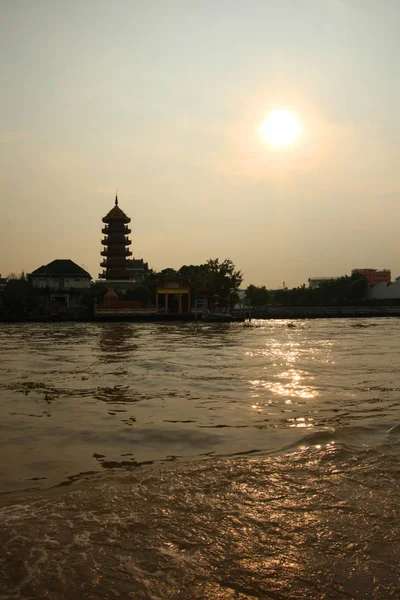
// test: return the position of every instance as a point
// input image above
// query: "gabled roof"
(61, 268)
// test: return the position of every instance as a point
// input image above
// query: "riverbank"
(325, 312)
(271, 312)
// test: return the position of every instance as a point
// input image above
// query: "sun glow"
(281, 128)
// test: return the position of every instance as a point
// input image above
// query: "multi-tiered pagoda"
(115, 244)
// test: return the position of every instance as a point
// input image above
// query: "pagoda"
(115, 244)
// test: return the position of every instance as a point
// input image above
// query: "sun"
(281, 128)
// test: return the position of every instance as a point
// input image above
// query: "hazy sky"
(163, 100)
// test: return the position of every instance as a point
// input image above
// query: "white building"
(384, 291)
(59, 286)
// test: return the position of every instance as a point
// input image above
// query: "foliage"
(196, 275)
(141, 293)
(223, 277)
(93, 295)
(18, 297)
(258, 296)
(15, 276)
(344, 291)
(168, 272)
(216, 280)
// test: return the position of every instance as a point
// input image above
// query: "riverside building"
(373, 276)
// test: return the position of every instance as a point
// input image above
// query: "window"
(61, 283)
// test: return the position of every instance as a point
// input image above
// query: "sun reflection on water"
(301, 422)
(283, 372)
(290, 383)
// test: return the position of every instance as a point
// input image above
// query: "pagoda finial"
(116, 199)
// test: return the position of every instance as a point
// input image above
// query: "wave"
(292, 526)
(351, 438)
(363, 324)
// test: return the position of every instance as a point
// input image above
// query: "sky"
(163, 101)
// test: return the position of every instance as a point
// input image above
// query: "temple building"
(115, 244)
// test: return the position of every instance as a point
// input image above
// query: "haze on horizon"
(165, 100)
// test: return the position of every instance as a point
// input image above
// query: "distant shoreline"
(325, 312)
(275, 312)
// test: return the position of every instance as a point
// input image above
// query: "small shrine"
(173, 295)
(115, 244)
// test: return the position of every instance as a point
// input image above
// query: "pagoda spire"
(116, 199)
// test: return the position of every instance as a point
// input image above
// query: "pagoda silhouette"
(115, 244)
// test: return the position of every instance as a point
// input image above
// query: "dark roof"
(116, 214)
(61, 268)
(137, 263)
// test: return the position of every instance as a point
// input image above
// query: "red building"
(373, 276)
(115, 245)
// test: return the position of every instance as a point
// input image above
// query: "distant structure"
(373, 276)
(137, 269)
(59, 286)
(315, 282)
(60, 274)
(172, 292)
(115, 244)
(385, 291)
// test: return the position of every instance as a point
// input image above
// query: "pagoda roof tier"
(107, 229)
(116, 214)
(115, 262)
(114, 252)
(108, 241)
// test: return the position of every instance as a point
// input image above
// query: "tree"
(343, 291)
(222, 278)
(93, 295)
(18, 297)
(258, 296)
(217, 281)
(140, 293)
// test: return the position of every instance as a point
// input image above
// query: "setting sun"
(281, 128)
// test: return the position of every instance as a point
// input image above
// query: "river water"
(200, 461)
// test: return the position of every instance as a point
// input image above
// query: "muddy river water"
(200, 461)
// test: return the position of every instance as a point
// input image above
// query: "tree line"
(343, 291)
(216, 280)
